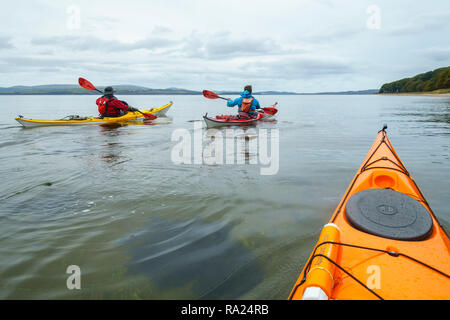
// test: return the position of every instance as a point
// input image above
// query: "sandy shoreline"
(439, 95)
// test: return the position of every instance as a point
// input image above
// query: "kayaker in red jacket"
(110, 106)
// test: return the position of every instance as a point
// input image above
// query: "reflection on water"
(242, 146)
(110, 200)
(426, 110)
(230, 146)
(111, 148)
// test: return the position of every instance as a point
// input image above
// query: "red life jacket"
(105, 109)
(246, 104)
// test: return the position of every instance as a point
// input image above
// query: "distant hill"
(424, 82)
(368, 91)
(66, 89)
(69, 89)
(276, 93)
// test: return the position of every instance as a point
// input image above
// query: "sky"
(284, 45)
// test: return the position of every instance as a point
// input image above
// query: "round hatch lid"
(389, 214)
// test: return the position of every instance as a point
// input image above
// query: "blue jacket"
(238, 101)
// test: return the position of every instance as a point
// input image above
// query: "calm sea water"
(111, 201)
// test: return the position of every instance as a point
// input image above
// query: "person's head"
(109, 91)
(248, 88)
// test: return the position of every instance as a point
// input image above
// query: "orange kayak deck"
(351, 262)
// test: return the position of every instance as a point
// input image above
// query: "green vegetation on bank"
(432, 81)
(441, 91)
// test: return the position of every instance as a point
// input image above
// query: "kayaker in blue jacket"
(247, 104)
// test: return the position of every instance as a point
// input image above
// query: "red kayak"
(232, 120)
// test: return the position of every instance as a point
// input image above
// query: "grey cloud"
(223, 46)
(27, 62)
(161, 30)
(108, 67)
(239, 47)
(300, 68)
(50, 70)
(5, 43)
(50, 64)
(96, 44)
(438, 54)
(328, 36)
(419, 24)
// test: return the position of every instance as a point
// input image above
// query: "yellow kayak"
(77, 120)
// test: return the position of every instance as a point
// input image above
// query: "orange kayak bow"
(382, 242)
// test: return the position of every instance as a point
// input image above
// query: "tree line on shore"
(424, 82)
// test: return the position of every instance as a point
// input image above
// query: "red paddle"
(271, 110)
(89, 86)
(212, 95)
